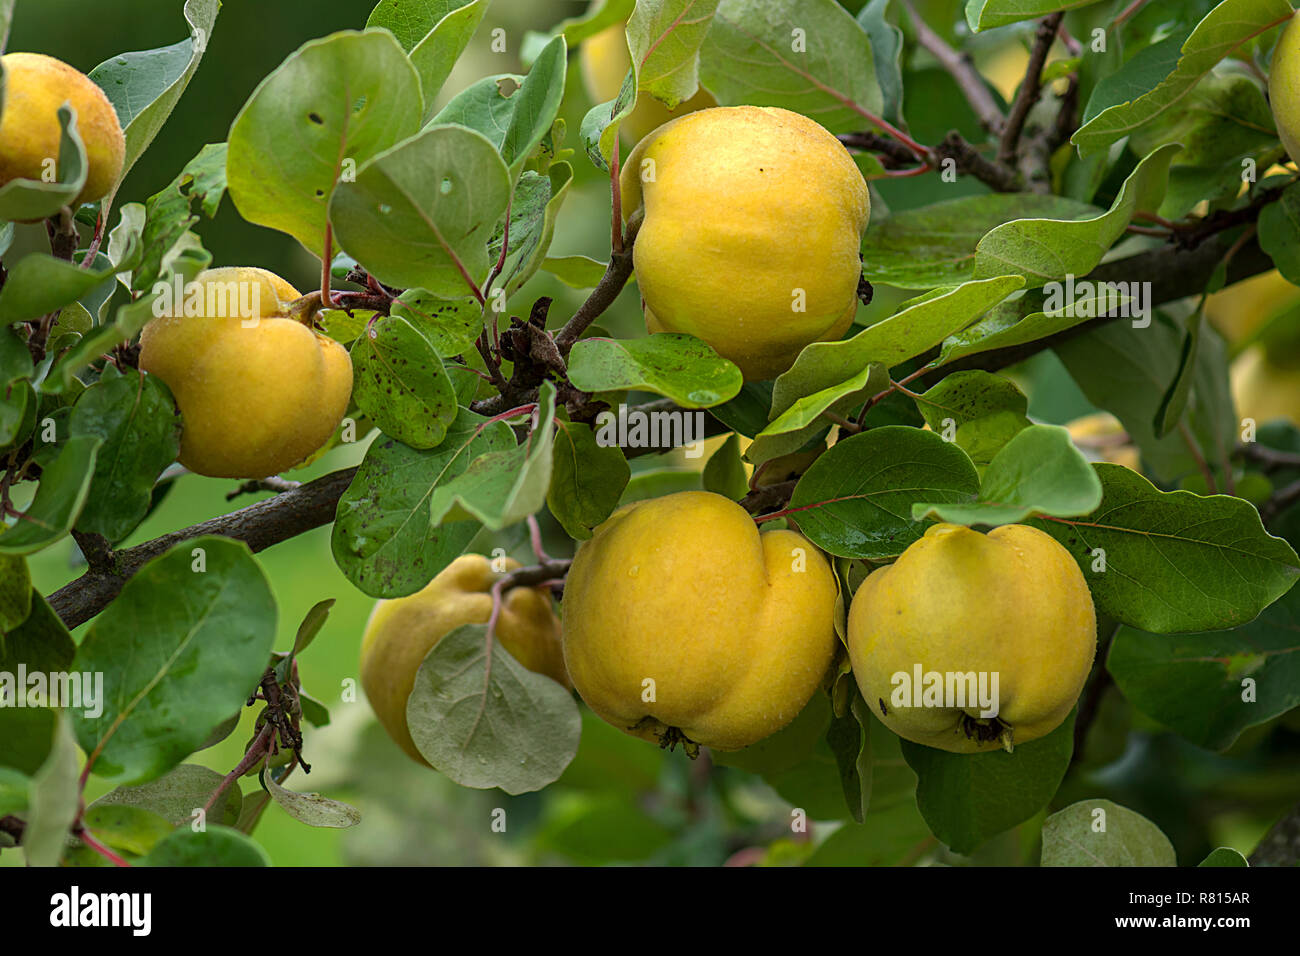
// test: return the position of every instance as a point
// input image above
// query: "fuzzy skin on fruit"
(35, 87)
(604, 60)
(1264, 390)
(1284, 87)
(401, 632)
(256, 400)
(683, 590)
(748, 207)
(1012, 601)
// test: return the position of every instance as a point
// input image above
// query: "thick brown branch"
(968, 161)
(260, 525)
(1281, 845)
(602, 297)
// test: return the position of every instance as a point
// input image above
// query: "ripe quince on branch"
(1011, 602)
(683, 623)
(753, 221)
(35, 87)
(257, 394)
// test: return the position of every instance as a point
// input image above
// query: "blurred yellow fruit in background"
(1241, 309)
(1101, 437)
(1264, 390)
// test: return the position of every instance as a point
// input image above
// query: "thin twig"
(1030, 89)
(961, 69)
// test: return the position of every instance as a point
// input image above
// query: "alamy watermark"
(69, 689)
(637, 428)
(1085, 299)
(212, 300)
(948, 689)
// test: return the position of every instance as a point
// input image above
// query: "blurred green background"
(621, 800)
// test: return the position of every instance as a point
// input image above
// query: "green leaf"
(935, 245)
(18, 403)
(25, 737)
(587, 479)
(987, 14)
(180, 649)
(1043, 250)
(15, 593)
(1279, 233)
(131, 829)
(536, 203)
(789, 747)
(311, 625)
(1101, 833)
(747, 413)
(887, 50)
(40, 642)
(434, 33)
(1038, 472)
(851, 743)
(215, 846)
(144, 87)
(1126, 371)
(747, 57)
(449, 325)
(1224, 856)
(347, 96)
(981, 410)
(168, 217)
(1225, 28)
(54, 798)
(724, 472)
(135, 418)
(800, 423)
(664, 38)
(383, 539)
(536, 104)
(577, 272)
(884, 838)
(968, 798)
(856, 500)
(1175, 561)
(919, 325)
(177, 795)
(1211, 686)
(399, 382)
(39, 283)
(478, 716)
(1173, 402)
(59, 499)
(678, 366)
(500, 488)
(421, 214)
(311, 808)
(31, 200)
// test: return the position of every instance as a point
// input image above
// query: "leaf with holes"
(399, 382)
(434, 33)
(349, 96)
(382, 538)
(421, 214)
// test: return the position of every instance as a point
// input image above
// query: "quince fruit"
(1244, 307)
(683, 623)
(35, 87)
(956, 611)
(1102, 437)
(258, 390)
(753, 220)
(1284, 87)
(401, 632)
(605, 60)
(1263, 389)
